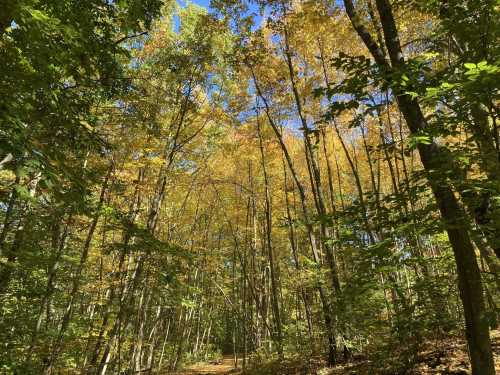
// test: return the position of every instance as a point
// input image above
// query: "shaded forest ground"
(445, 356)
(224, 366)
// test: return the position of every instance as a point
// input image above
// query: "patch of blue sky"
(203, 3)
(253, 9)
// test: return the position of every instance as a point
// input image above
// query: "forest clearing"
(258, 187)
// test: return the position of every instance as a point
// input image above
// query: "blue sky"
(204, 3)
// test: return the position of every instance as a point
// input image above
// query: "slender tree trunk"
(293, 245)
(268, 229)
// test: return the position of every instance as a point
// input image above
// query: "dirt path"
(226, 366)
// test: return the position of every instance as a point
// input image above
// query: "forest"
(257, 187)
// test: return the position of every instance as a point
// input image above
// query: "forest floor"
(222, 367)
(435, 357)
(445, 357)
